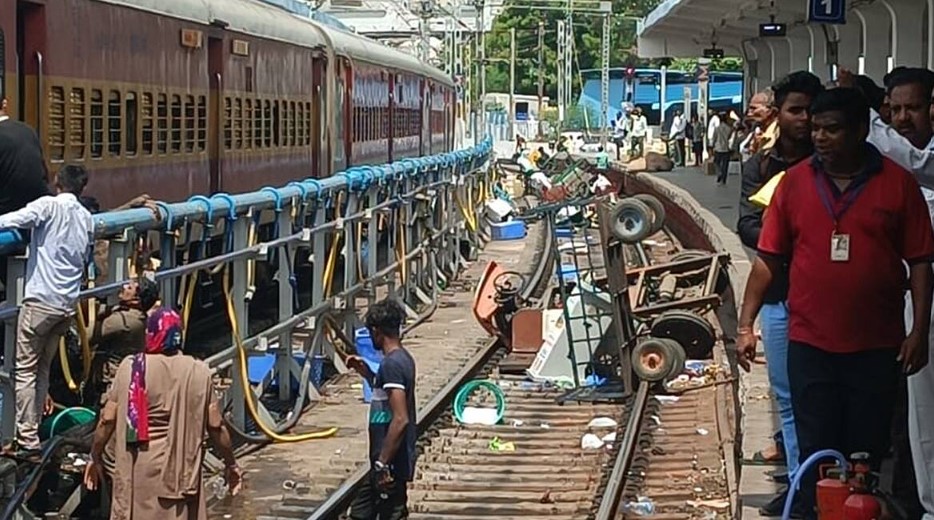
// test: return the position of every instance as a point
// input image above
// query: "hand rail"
(116, 222)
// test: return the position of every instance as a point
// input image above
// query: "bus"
(642, 87)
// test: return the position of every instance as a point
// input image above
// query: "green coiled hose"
(460, 401)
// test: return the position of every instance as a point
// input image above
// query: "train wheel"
(692, 332)
(631, 221)
(652, 360)
(658, 211)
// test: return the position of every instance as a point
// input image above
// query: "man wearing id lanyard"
(845, 220)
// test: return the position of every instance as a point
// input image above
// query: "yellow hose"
(245, 380)
(86, 356)
(251, 237)
(66, 367)
(400, 247)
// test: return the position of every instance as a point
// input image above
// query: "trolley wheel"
(652, 360)
(723, 278)
(631, 221)
(680, 358)
(693, 333)
(658, 210)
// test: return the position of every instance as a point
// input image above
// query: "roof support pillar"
(781, 57)
(877, 44)
(764, 73)
(819, 66)
(750, 68)
(907, 25)
(799, 41)
(848, 43)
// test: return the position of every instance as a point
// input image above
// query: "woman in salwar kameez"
(160, 406)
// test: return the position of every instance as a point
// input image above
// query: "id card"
(839, 248)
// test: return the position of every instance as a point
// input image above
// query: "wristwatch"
(379, 467)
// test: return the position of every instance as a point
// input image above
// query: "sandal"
(761, 460)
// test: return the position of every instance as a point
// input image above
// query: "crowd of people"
(836, 198)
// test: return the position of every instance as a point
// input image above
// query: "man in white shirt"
(676, 133)
(713, 122)
(909, 141)
(640, 127)
(62, 232)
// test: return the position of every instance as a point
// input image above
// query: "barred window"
(77, 124)
(132, 122)
(114, 122)
(190, 124)
(228, 124)
(146, 118)
(248, 123)
(97, 123)
(56, 124)
(162, 114)
(202, 124)
(237, 120)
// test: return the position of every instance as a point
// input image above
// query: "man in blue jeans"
(793, 96)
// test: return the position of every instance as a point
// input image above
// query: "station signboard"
(827, 11)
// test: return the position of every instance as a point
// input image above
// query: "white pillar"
(848, 37)
(765, 61)
(877, 24)
(799, 43)
(750, 68)
(819, 53)
(781, 57)
(906, 28)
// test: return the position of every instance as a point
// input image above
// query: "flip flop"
(779, 476)
(760, 460)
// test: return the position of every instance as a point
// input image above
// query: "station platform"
(759, 414)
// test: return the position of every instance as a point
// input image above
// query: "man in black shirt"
(23, 177)
(793, 95)
(392, 418)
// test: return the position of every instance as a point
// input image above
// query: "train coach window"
(113, 123)
(202, 124)
(56, 123)
(237, 120)
(176, 123)
(228, 124)
(146, 118)
(258, 124)
(248, 123)
(132, 122)
(300, 124)
(190, 124)
(276, 124)
(267, 123)
(97, 124)
(77, 123)
(162, 119)
(307, 124)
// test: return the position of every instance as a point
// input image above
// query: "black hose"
(25, 489)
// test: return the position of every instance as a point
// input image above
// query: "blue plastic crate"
(512, 230)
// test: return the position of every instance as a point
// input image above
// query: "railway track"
(658, 456)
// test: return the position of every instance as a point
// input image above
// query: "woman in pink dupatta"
(160, 406)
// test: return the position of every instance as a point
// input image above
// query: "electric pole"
(512, 81)
(541, 76)
(562, 50)
(481, 26)
(605, 80)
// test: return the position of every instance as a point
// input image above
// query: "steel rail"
(340, 499)
(612, 494)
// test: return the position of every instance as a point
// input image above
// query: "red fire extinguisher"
(861, 505)
(832, 492)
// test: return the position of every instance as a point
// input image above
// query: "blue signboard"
(827, 11)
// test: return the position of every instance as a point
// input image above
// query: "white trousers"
(921, 423)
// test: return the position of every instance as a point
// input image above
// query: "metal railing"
(398, 229)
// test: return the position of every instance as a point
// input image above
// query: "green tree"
(588, 28)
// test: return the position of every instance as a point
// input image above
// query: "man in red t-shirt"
(847, 220)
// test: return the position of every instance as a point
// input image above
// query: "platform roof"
(684, 28)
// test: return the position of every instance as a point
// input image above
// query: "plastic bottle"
(642, 507)
(216, 487)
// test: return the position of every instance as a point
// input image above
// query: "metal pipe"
(141, 219)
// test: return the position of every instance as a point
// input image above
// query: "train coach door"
(216, 134)
(31, 56)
